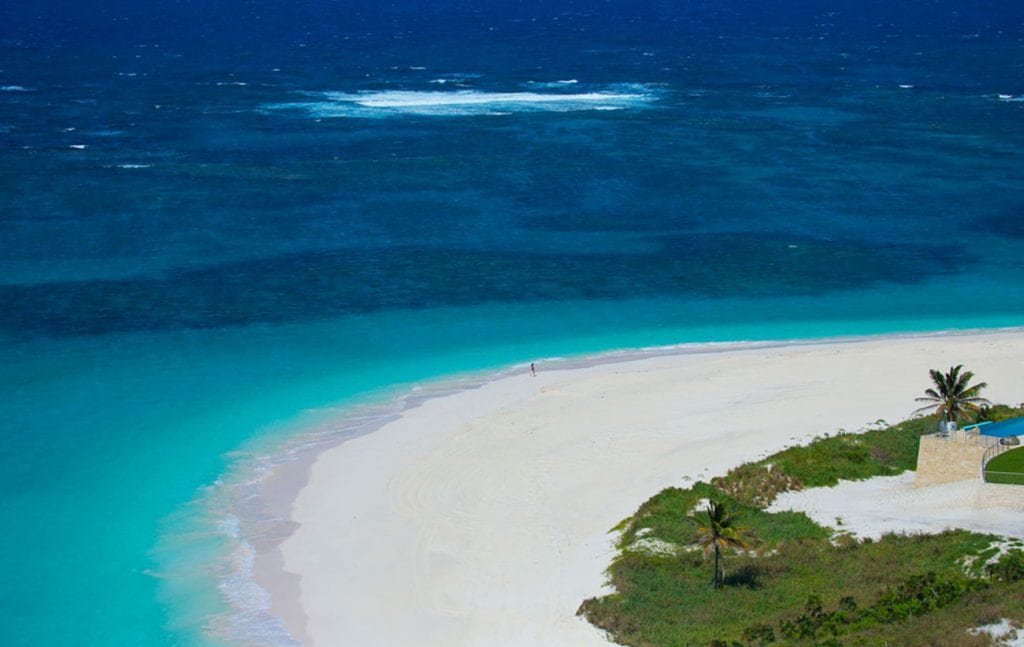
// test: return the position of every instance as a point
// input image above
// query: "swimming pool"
(1001, 429)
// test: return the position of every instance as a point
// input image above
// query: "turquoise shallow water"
(222, 225)
(136, 426)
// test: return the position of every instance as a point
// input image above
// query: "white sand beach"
(482, 517)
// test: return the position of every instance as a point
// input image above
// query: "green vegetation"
(1010, 568)
(884, 451)
(1006, 468)
(798, 583)
(998, 412)
(952, 398)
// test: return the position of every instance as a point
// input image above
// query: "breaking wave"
(461, 103)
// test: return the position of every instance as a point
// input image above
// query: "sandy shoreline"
(481, 516)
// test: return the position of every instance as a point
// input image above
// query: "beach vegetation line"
(798, 582)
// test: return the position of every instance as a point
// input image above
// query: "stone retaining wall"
(944, 460)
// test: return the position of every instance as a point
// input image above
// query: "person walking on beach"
(533, 370)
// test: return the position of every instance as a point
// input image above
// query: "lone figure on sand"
(533, 370)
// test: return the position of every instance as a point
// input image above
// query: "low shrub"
(1009, 568)
(795, 585)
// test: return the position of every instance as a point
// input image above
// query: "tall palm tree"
(719, 531)
(952, 398)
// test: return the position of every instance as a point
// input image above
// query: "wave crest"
(466, 102)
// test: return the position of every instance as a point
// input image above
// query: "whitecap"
(78, 146)
(906, 86)
(455, 78)
(14, 88)
(465, 102)
(1010, 98)
(553, 84)
(634, 87)
(134, 165)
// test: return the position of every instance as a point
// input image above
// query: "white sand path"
(482, 517)
(887, 504)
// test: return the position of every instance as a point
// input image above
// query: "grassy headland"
(803, 583)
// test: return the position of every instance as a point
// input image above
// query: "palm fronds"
(953, 398)
(720, 530)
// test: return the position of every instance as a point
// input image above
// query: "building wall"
(944, 460)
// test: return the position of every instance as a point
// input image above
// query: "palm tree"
(952, 398)
(720, 531)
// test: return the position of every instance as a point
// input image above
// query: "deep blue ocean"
(223, 224)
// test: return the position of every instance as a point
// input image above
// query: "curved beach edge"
(477, 511)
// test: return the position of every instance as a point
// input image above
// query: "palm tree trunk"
(715, 581)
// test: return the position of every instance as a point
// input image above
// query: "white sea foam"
(552, 84)
(462, 79)
(134, 165)
(14, 88)
(401, 100)
(467, 102)
(253, 624)
(453, 80)
(1010, 98)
